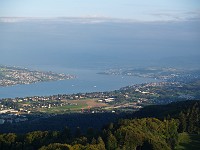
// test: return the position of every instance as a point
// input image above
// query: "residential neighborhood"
(16, 75)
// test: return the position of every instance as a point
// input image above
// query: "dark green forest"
(151, 128)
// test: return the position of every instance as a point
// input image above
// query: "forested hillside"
(187, 112)
(128, 134)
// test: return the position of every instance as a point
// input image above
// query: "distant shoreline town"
(15, 75)
(177, 86)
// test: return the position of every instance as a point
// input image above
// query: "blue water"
(86, 81)
(85, 49)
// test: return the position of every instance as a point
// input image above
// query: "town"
(158, 73)
(15, 75)
(126, 99)
(175, 87)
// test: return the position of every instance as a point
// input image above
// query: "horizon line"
(100, 18)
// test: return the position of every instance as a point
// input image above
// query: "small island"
(15, 75)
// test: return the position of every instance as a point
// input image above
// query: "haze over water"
(96, 45)
(86, 46)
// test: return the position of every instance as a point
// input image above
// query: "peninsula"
(16, 75)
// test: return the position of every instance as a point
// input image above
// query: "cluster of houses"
(106, 100)
(14, 75)
(11, 116)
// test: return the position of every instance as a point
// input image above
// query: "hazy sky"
(127, 9)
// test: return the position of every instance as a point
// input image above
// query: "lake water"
(86, 81)
(83, 49)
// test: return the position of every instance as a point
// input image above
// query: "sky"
(105, 43)
(147, 10)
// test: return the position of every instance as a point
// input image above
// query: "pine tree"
(101, 144)
(182, 120)
(111, 142)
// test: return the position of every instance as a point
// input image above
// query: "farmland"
(83, 105)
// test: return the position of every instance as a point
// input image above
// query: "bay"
(84, 49)
(87, 81)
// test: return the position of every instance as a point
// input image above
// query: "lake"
(86, 48)
(86, 81)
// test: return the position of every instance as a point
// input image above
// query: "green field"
(188, 142)
(72, 106)
(66, 108)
